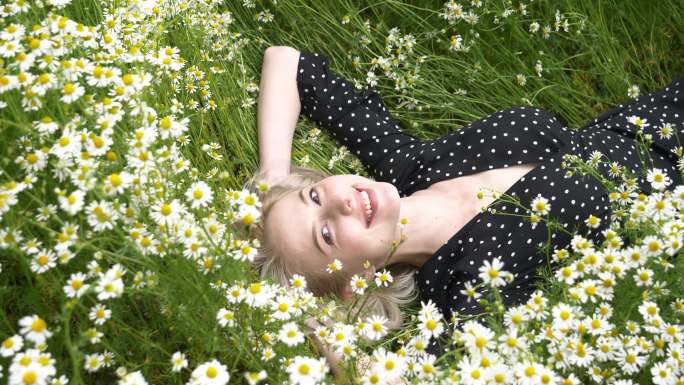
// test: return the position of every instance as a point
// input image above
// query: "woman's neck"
(433, 217)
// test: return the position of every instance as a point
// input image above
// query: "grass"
(610, 46)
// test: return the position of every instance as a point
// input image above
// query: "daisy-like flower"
(541, 205)
(46, 212)
(167, 213)
(210, 373)
(491, 273)
(199, 195)
(258, 294)
(298, 282)
(76, 285)
(179, 362)
(528, 372)
(248, 215)
(306, 370)
(282, 308)
(117, 183)
(511, 343)
(254, 378)
(430, 324)
(471, 371)
(638, 121)
(383, 278)
(34, 329)
(643, 277)
(101, 215)
(592, 221)
(72, 203)
(71, 92)
(665, 131)
(335, 265)
(521, 79)
(652, 246)
(109, 287)
(633, 91)
(470, 292)
(99, 314)
(377, 327)
(649, 310)
(43, 261)
(11, 345)
(477, 337)
(388, 365)
(358, 284)
(658, 178)
(290, 334)
(134, 378)
(170, 127)
(93, 362)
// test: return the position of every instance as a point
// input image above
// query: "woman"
(309, 218)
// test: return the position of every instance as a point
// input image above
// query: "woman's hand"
(334, 359)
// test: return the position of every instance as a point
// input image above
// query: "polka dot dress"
(512, 136)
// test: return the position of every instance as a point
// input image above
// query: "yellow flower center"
(38, 325)
(212, 372)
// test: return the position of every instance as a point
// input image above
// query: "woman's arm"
(278, 110)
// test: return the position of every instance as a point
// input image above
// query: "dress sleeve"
(357, 120)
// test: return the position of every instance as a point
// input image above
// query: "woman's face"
(314, 225)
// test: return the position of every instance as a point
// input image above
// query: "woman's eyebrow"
(313, 228)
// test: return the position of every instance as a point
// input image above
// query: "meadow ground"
(128, 128)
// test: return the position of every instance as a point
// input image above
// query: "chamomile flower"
(199, 195)
(383, 278)
(290, 334)
(283, 307)
(643, 277)
(633, 91)
(541, 205)
(72, 203)
(167, 213)
(306, 370)
(491, 273)
(377, 327)
(11, 345)
(178, 362)
(76, 285)
(43, 261)
(34, 329)
(592, 221)
(665, 131)
(388, 365)
(72, 92)
(638, 121)
(109, 287)
(117, 183)
(225, 317)
(99, 314)
(358, 284)
(335, 265)
(134, 378)
(658, 178)
(470, 292)
(210, 373)
(254, 378)
(298, 282)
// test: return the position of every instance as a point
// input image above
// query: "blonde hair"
(270, 262)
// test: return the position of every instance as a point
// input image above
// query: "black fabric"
(509, 137)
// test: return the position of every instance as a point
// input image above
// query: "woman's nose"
(342, 204)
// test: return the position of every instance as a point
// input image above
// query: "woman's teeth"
(366, 201)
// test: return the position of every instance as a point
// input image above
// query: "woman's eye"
(326, 235)
(312, 191)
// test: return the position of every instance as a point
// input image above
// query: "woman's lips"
(373, 202)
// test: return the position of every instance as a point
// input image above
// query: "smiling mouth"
(368, 205)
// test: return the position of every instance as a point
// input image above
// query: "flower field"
(128, 131)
